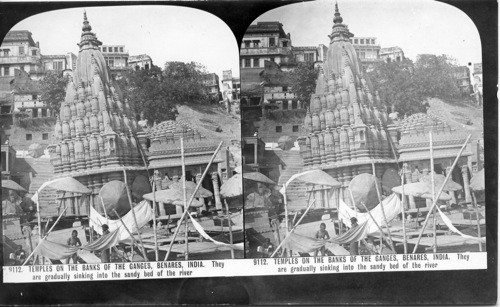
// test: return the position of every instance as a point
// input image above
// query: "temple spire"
(339, 30)
(88, 37)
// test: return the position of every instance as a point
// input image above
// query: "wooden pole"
(133, 214)
(183, 178)
(46, 235)
(192, 198)
(131, 236)
(440, 191)
(293, 228)
(382, 208)
(230, 228)
(431, 150)
(477, 219)
(403, 215)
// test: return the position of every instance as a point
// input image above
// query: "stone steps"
(296, 191)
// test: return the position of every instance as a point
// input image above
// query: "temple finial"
(86, 25)
(337, 18)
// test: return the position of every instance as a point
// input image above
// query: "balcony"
(20, 59)
(263, 51)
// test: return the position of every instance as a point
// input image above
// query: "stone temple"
(347, 125)
(97, 133)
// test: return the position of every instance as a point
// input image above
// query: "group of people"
(18, 205)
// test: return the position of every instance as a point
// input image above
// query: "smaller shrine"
(164, 157)
(413, 149)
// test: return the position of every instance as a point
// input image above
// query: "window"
(398, 58)
(33, 52)
(256, 44)
(285, 88)
(6, 71)
(362, 41)
(272, 42)
(247, 63)
(58, 65)
(256, 62)
(355, 40)
(121, 49)
(146, 66)
(309, 57)
(45, 136)
(34, 97)
(4, 109)
(21, 50)
(373, 41)
(35, 112)
(295, 128)
(247, 44)
(44, 112)
(111, 62)
(350, 40)
(271, 59)
(29, 137)
(278, 129)
(103, 49)
(285, 44)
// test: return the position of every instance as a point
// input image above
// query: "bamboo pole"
(104, 209)
(477, 219)
(382, 208)
(131, 236)
(46, 235)
(183, 178)
(293, 228)
(133, 214)
(230, 228)
(403, 215)
(440, 191)
(433, 188)
(192, 198)
(154, 222)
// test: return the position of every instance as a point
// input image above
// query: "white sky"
(417, 26)
(166, 33)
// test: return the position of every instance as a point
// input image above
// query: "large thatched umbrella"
(12, 185)
(172, 197)
(233, 187)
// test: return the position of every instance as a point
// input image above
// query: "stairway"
(296, 191)
(43, 171)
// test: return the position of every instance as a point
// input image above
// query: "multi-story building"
(477, 74)
(60, 62)
(116, 58)
(306, 54)
(231, 86)
(19, 51)
(368, 50)
(142, 61)
(462, 77)
(392, 54)
(211, 81)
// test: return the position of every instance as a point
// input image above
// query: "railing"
(271, 50)
(19, 59)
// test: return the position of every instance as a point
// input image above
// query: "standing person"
(73, 241)
(105, 254)
(354, 246)
(321, 234)
(10, 206)
(260, 198)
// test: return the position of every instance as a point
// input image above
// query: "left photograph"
(120, 137)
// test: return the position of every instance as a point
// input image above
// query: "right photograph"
(362, 130)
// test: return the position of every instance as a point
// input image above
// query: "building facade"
(211, 81)
(367, 49)
(142, 61)
(62, 63)
(19, 51)
(116, 57)
(462, 78)
(231, 86)
(392, 54)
